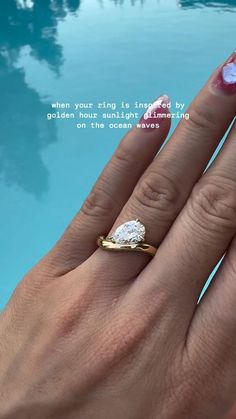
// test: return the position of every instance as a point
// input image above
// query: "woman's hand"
(94, 334)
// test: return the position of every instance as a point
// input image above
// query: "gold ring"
(129, 236)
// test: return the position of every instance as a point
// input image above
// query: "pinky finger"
(212, 335)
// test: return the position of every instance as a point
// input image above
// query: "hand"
(92, 334)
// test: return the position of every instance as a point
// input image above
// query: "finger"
(113, 188)
(219, 302)
(165, 186)
(211, 340)
(200, 236)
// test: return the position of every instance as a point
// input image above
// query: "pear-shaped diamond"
(131, 232)
(229, 73)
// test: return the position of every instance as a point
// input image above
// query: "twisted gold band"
(107, 244)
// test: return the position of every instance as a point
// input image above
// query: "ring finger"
(108, 196)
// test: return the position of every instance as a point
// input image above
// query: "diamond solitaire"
(131, 232)
(129, 236)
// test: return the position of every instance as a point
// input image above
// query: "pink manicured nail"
(155, 114)
(226, 78)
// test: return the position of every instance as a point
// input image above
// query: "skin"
(95, 334)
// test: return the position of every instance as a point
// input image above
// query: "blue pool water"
(81, 51)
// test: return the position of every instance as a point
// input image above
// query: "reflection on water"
(229, 5)
(132, 2)
(24, 129)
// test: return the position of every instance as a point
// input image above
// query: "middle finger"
(165, 186)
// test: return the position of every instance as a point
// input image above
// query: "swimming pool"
(85, 52)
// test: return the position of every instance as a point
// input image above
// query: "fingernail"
(155, 114)
(226, 78)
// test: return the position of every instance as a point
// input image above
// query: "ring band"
(116, 247)
(129, 237)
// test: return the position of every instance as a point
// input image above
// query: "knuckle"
(98, 204)
(123, 156)
(215, 202)
(157, 191)
(201, 118)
